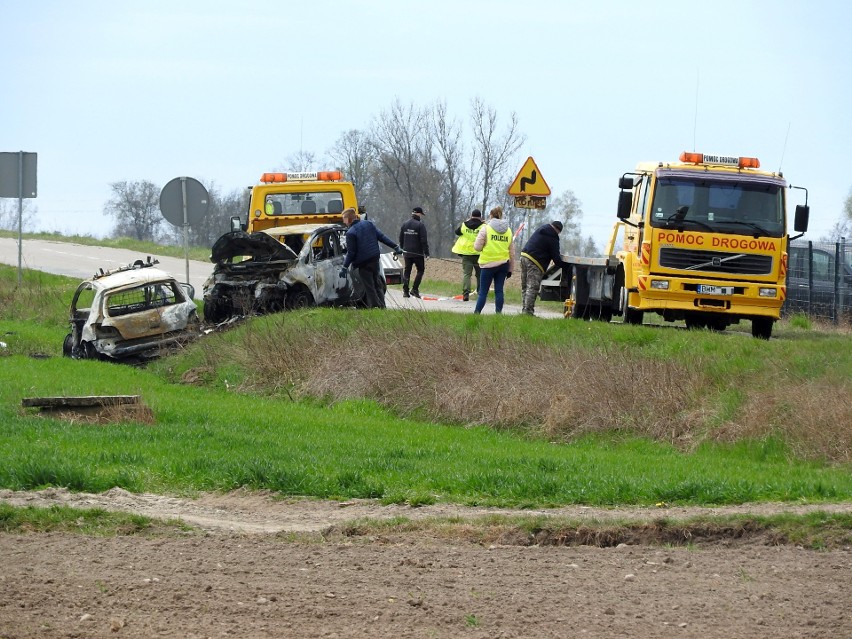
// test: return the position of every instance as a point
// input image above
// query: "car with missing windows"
(283, 268)
(132, 314)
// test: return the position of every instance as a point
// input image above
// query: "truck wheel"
(761, 327)
(578, 310)
(695, 323)
(631, 316)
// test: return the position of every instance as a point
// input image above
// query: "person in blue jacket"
(362, 254)
(540, 249)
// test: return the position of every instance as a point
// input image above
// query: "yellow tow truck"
(705, 241)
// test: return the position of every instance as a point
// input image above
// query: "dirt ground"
(262, 567)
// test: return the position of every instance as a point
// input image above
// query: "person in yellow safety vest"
(496, 258)
(467, 232)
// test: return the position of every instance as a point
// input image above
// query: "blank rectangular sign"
(10, 169)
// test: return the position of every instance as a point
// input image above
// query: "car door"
(327, 256)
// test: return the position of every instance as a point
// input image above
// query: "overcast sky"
(223, 91)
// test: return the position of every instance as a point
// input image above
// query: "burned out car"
(281, 268)
(132, 313)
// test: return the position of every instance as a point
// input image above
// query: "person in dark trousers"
(467, 232)
(496, 247)
(415, 250)
(540, 249)
(362, 254)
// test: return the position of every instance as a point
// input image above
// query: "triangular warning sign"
(530, 181)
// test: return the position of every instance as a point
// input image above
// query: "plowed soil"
(260, 567)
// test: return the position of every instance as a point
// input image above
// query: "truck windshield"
(722, 206)
(304, 203)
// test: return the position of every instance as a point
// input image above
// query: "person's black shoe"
(466, 297)
(416, 294)
(405, 294)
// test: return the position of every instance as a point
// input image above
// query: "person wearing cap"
(496, 247)
(467, 232)
(415, 250)
(538, 252)
(362, 254)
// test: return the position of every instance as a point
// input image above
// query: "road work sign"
(529, 181)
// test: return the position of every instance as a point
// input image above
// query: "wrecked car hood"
(258, 246)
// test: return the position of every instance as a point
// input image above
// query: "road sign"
(530, 202)
(529, 181)
(184, 200)
(18, 174)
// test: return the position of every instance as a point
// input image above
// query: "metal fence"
(819, 280)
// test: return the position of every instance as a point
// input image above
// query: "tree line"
(408, 156)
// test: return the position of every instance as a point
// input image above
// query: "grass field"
(422, 408)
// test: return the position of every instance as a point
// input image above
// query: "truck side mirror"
(800, 224)
(625, 202)
(625, 182)
(236, 225)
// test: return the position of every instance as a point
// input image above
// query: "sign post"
(18, 179)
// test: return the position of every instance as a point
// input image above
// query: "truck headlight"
(767, 292)
(660, 285)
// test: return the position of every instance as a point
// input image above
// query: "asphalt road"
(82, 261)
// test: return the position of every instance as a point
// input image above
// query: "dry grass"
(479, 374)
(102, 415)
(436, 374)
(813, 418)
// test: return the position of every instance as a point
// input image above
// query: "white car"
(132, 313)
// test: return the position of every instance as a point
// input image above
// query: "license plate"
(706, 289)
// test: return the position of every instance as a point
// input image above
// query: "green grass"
(243, 426)
(205, 439)
(91, 521)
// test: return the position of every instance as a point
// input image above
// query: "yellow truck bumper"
(659, 293)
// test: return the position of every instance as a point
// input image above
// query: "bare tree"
(400, 138)
(492, 151)
(301, 161)
(447, 136)
(847, 206)
(405, 173)
(355, 155)
(136, 209)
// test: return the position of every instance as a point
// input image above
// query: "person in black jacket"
(363, 254)
(540, 249)
(415, 250)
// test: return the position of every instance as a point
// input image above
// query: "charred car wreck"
(133, 313)
(282, 268)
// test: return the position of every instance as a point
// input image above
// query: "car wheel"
(299, 298)
(67, 345)
(87, 350)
